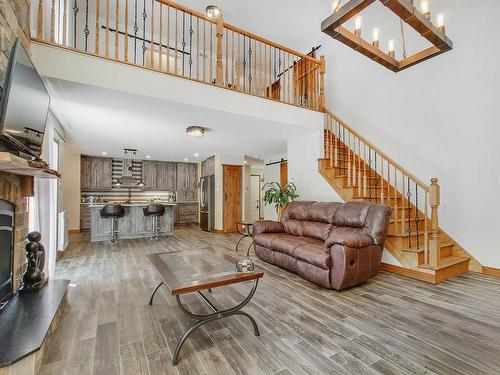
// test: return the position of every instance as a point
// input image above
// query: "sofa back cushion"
(316, 230)
(293, 227)
(351, 214)
(297, 210)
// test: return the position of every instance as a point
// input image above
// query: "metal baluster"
(183, 43)
(250, 65)
(144, 16)
(244, 62)
(190, 44)
(408, 196)
(75, 14)
(86, 31)
(136, 29)
(416, 214)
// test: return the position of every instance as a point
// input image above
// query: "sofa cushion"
(266, 239)
(317, 230)
(351, 214)
(314, 254)
(293, 227)
(281, 242)
(297, 210)
(323, 212)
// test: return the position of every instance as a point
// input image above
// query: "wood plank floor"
(389, 325)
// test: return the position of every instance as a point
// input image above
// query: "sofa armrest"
(267, 226)
(355, 238)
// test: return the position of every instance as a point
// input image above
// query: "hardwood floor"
(389, 325)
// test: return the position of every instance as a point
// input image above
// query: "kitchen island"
(133, 225)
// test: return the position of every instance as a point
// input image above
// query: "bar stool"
(155, 211)
(113, 212)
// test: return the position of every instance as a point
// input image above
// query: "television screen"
(24, 104)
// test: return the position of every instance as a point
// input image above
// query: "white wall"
(437, 119)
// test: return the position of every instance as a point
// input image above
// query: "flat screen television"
(24, 105)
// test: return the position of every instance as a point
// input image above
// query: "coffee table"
(192, 271)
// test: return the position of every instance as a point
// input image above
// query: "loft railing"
(169, 38)
(374, 176)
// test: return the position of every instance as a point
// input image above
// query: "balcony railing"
(169, 38)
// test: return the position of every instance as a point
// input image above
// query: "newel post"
(322, 69)
(220, 34)
(434, 201)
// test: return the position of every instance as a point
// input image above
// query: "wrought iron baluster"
(408, 196)
(86, 31)
(183, 40)
(75, 15)
(416, 214)
(144, 16)
(136, 29)
(250, 64)
(244, 62)
(190, 44)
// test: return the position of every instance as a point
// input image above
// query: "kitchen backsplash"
(120, 195)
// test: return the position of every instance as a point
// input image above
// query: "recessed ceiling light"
(148, 156)
(104, 153)
(186, 159)
(244, 161)
(195, 131)
(196, 155)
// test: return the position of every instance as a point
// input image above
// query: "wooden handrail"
(378, 151)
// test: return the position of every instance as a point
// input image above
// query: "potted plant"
(279, 195)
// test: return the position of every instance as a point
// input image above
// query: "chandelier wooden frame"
(408, 13)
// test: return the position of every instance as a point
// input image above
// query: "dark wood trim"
(74, 231)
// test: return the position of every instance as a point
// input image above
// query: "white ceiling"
(101, 120)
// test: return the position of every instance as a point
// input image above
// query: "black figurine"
(34, 278)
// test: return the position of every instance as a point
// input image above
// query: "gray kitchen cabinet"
(84, 217)
(149, 174)
(186, 213)
(187, 195)
(187, 176)
(166, 176)
(208, 167)
(96, 173)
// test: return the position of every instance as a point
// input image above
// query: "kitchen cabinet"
(186, 213)
(159, 176)
(166, 176)
(96, 173)
(84, 217)
(187, 174)
(208, 167)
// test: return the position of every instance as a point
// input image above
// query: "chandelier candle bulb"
(424, 6)
(357, 26)
(440, 22)
(376, 37)
(391, 48)
(335, 5)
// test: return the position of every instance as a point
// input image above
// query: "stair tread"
(447, 262)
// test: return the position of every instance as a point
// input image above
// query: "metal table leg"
(154, 292)
(216, 315)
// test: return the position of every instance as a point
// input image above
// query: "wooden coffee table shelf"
(193, 271)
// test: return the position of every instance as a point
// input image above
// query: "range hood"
(127, 179)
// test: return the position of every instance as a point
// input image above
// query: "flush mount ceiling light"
(195, 131)
(419, 20)
(213, 11)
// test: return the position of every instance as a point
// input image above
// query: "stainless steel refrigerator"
(207, 203)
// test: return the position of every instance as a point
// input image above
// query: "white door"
(255, 197)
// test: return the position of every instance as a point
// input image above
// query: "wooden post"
(434, 200)
(39, 26)
(219, 35)
(322, 68)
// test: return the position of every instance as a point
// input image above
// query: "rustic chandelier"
(419, 20)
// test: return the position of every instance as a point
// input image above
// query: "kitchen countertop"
(131, 204)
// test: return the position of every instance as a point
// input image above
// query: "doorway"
(231, 196)
(255, 197)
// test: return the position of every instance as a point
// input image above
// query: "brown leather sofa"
(335, 245)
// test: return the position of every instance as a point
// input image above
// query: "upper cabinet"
(159, 175)
(96, 173)
(208, 167)
(187, 176)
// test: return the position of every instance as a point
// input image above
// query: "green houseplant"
(279, 195)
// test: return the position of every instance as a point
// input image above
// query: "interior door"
(231, 196)
(255, 197)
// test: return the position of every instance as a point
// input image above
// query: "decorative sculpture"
(34, 278)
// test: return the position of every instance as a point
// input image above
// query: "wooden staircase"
(359, 171)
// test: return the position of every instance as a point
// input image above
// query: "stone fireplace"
(10, 191)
